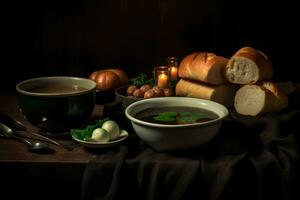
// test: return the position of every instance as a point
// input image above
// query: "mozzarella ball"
(100, 135)
(112, 128)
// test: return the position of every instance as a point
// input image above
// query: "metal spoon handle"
(11, 122)
(22, 139)
(36, 147)
(42, 137)
(67, 147)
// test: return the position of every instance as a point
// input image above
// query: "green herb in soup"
(59, 88)
(176, 115)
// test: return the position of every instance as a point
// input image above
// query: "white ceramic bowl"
(164, 137)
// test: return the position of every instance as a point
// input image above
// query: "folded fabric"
(250, 158)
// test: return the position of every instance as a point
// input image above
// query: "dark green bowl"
(57, 103)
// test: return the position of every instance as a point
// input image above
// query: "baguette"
(258, 99)
(248, 66)
(204, 67)
(223, 94)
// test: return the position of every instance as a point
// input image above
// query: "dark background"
(75, 37)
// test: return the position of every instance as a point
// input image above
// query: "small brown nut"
(145, 87)
(138, 93)
(149, 94)
(159, 92)
(131, 89)
(168, 92)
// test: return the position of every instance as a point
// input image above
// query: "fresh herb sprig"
(141, 79)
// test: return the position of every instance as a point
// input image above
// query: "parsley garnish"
(141, 79)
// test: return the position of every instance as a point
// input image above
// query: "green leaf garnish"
(187, 117)
(166, 116)
(181, 117)
(141, 79)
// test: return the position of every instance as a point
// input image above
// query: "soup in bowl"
(56, 103)
(175, 123)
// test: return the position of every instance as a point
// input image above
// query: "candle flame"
(163, 75)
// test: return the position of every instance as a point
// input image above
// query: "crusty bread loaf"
(223, 94)
(258, 99)
(203, 66)
(248, 66)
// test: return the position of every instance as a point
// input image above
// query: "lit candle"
(173, 73)
(162, 80)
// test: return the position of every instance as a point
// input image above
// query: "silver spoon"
(5, 131)
(18, 126)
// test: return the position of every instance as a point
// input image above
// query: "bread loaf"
(223, 94)
(248, 66)
(258, 99)
(205, 67)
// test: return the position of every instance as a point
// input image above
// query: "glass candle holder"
(161, 76)
(172, 64)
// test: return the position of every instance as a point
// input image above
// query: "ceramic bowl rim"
(91, 86)
(131, 107)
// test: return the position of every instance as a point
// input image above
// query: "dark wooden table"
(58, 174)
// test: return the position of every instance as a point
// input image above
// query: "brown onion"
(145, 87)
(168, 92)
(138, 93)
(159, 92)
(149, 94)
(131, 89)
